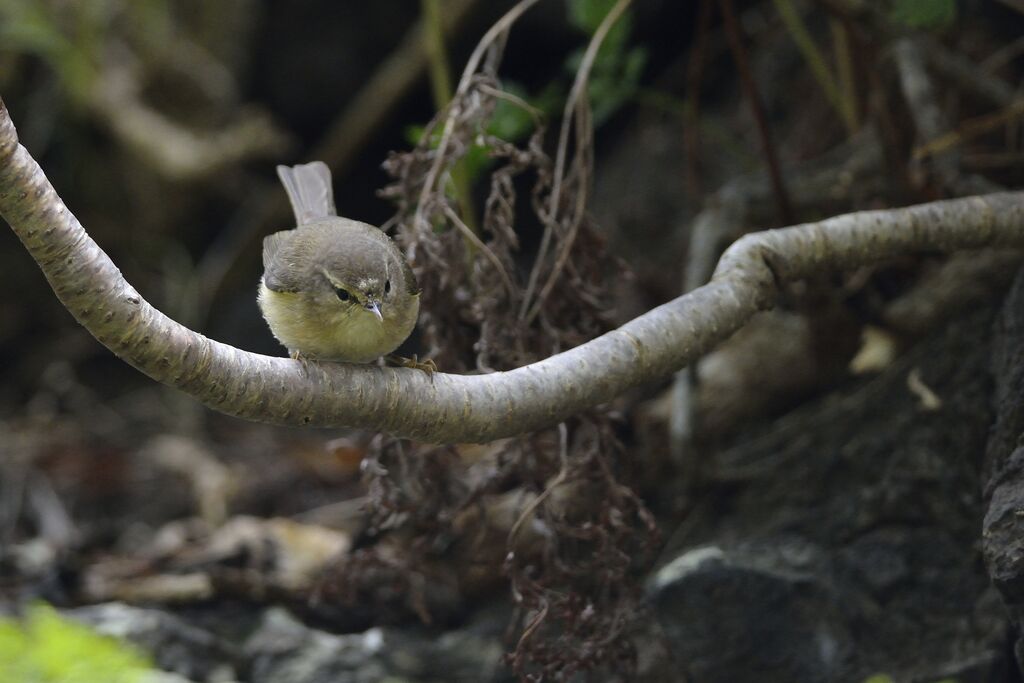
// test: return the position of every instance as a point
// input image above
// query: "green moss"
(44, 647)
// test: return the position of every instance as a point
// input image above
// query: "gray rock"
(283, 650)
(776, 623)
(1003, 530)
(175, 645)
(841, 540)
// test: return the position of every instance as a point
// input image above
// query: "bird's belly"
(314, 333)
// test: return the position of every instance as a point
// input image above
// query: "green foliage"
(618, 66)
(924, 13)
(32, 27)
(71, 37)
(587, 16)
(614, 80)
(508, 122)
(47, 648)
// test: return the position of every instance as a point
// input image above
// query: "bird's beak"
(372, 307)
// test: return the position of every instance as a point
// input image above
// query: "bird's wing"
(309, 191)
(411, 285)
(278, 276)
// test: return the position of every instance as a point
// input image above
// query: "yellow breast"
(325, 331)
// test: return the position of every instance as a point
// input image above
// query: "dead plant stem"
(441, 87)
(493, 35)
(739, 53)
(575, 103)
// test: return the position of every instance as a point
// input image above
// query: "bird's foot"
(428, 366)
(297, 355)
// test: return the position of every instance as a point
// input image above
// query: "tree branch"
(448, 408)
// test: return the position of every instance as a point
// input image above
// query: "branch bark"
(449, 408)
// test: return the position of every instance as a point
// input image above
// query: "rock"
(283, 650)
(840, 541)
(1003, 530)
(776, 623)
(176, 646)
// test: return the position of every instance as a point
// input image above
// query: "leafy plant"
(72, 37)
(614, 80)
(618, 66)
(924, 13)
(44, 647)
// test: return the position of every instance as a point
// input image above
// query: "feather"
(309, 191)
(276, 276)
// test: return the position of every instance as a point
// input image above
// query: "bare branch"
(448, 408)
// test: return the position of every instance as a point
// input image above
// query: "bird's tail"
(309, 190)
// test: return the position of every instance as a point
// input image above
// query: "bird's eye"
(342, 293)
(387, 286)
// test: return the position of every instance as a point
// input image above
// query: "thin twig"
(968, 75)
(1014, 4)
(563, 473)
(970, 129)
(930, 120)
(815, 61)
(534, 624)
(472, 238)
(493, 34)
(739, 53)
(1003, 55)
(584, 164)
(535, 113)
(575, 99)
(391, 81)
(576, 102)
(843, 49)
(433, 40)
(441, 85)
(691, 108)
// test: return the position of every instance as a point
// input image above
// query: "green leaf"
(924, 13)
(413, 133)
(509, 121)
(47, 648)
(587, 15)
(26, 27)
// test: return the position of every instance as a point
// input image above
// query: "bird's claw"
(428, 366)
(297, 355)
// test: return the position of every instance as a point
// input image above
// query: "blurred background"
(160, 123)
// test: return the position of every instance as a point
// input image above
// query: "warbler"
(334, 289)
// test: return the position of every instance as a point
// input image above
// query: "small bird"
(334, 289)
